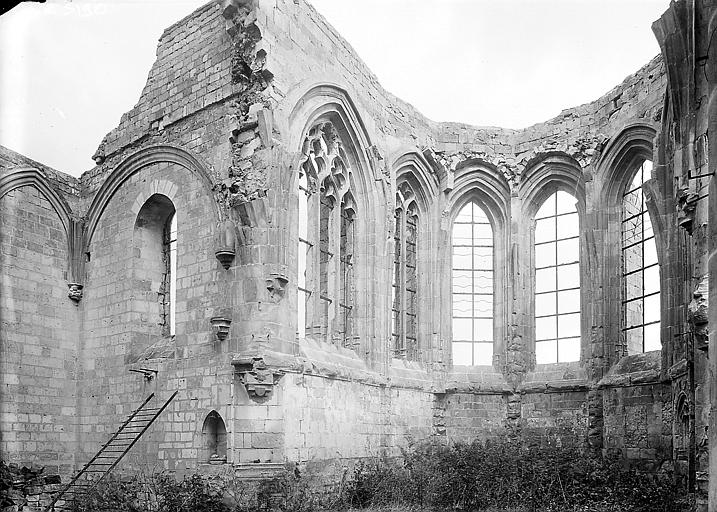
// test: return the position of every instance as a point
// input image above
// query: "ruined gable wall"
(196, 99)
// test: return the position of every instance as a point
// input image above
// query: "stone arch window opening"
(405, 280)
(346, 284)
(304, 253)
(155, 244)
(169, 281)
(640, 269)
(472, 286)
(327, 225)
(326, 207)
(556, 248)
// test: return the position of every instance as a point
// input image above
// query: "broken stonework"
(306, 297)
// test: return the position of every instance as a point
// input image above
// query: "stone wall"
(220, 130)
(38, 340)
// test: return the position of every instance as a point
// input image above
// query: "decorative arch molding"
(634, 143)
(477, 178)
(331, 102)
(411, 167)
(134, 163)
(29, 176)
(545, 175)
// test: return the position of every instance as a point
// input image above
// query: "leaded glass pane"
(641, 273)
(545, 304)
(546, 351)
(557, 280)
(545, 255)
(569, 349)
(472, 287)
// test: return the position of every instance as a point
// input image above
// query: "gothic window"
(472, 287)
(155, 243)
(640, 270)
(557, 280)
(326, 240)
(325, 259)
(304, 252)
(346, 255)
(169, 284)
(405, 280)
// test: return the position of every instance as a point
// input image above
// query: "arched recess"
(622, 158)
(631, 146)
(326, 130)
(413, 298)
(480, 182)
(411, 166)
(546, 175)
(136, 162)
(213, 439)
(27, 176)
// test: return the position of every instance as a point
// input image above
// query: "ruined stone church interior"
(297, 266)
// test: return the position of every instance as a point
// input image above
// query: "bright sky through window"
(472, 287)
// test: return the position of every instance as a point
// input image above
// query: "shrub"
(505, 476)
(494, 476)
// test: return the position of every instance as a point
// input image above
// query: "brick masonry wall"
(39, 334)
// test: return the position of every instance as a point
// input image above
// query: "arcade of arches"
(324, 274)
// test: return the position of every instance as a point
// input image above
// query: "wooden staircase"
(110, 454)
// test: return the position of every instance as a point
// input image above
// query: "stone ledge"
(634, 370)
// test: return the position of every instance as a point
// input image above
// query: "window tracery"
(405, 276)
(327, 218)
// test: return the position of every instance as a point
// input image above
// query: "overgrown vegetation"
(462, 477)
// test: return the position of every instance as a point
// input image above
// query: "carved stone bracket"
(226, 243)
(258, 379)
(75, 292)
(686, 206)
(220, 326)
(276, 284)
(698, 314)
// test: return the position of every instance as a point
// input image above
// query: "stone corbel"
(75, 292)
(226, 243)
(77, 261)
(258, 379)
(686, 206)
(276, 284)
(698, 314)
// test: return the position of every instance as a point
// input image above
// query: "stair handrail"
(84, 468)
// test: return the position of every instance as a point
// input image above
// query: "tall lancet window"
(326, 240)
(411, 283)
(640, 270)
(405, 279)
(557, 280)
(326, 254)
(170, 248)
(346, 284)
(303, 254)
(472, 287)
